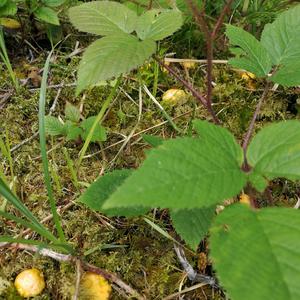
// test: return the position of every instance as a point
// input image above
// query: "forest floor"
(130, 248)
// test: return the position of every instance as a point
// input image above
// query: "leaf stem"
(248, 135)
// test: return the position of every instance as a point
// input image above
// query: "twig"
(201, 61)
(86, 266)
(194, 92)
(78, 277)
(189, 289)
(252, 123)
(191, 273)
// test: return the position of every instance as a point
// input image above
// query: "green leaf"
(255, 59)
(112, 56)
(288, 75)
(53, 3)
(72, 113)
(275, 151)
(219, 137)
(157, 25)
(73, 131)
(9, 9)
(99, 191)
(103, 18)
(193, 224)
(47, 15)
(183, 173)
(99, 133)
(257, 253)
(53, 126)
(282, 38)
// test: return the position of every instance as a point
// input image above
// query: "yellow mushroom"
(174, 97)
(245, 199)
(30, 283)
(94, 287)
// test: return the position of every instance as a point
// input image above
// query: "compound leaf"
(275, 151)
(112, 56)
(255, 57)
(257, 253)
(103, 18)
(193, 224)
(288, 75)
(183, 173)
(99, 191)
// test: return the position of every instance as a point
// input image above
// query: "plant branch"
(71, 259)
(194, 92)
(252, 123)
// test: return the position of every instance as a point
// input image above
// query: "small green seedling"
(74, 128)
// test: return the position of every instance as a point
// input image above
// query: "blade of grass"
(7, 193)
(45, 233)
(42, 133)
(98, 120)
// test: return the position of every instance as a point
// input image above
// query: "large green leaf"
(255, 57)
(112, 56)
(193, 224)
(282, 38)
(103, 18)
(275, 152)
(182, 173)
(257, 253)
(220, 137)
(156, 25)
(9, 9)
(99, 191)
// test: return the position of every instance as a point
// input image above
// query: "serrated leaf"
(256, 58)
(257, 253)
(72, 113)
(99, 134)
(219, 137)
(73, 132)
(112, 56)
(100, 190)
(275, 151)
(288, 75)
(157, 25)
(183, 173)
(9, 9)
(193, 224)
(47, 15)
(53, 3)
(53, 126)
(282, 38)
(103, 18)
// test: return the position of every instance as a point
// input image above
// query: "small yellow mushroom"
(245, 199)
(94, 287)
(188, 64)
(10, 23)
(174, 97)
(30, 283)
